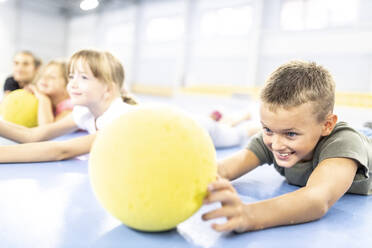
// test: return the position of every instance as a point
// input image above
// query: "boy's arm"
(23, 134)
(46, 151)
(328, 182)
(238, 164)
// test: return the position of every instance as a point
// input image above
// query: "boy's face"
(23, 68)
(292, 134)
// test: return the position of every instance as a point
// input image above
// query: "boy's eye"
(84, 77)
(291, 134)
(267, 130)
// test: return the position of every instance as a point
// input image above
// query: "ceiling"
(72, 7)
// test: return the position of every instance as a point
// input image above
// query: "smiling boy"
(303, 140)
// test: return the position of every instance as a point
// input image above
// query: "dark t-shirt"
(10, 84)
(343, 142)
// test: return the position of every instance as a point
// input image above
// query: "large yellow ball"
(150, 167)
(20, 107)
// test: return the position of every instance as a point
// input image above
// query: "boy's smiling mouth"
(283, 155)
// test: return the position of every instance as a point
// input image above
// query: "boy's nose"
(277, 143)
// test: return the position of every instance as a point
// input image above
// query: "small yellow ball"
(150, 167)
(20, 107)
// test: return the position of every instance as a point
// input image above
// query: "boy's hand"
(232, 207)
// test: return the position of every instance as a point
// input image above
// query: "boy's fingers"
(220, 212)
(224, 196)
(229, 225)
(220, 184)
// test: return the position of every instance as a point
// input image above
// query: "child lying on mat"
(304, 142)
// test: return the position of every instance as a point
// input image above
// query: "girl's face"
(52, 81)
(83, 88)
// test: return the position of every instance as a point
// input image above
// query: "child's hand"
(232, 207)
(39, 95)
(32, 88)
(28, 88)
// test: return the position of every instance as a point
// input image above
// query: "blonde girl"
(50, 89)
(95, 82)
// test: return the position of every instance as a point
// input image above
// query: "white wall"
(160, 53)
(113, 30)
(194, 58)
(28, 26)
(345, 51)
(41, 30)
(182, 55)
(219, 58)
(7, 40)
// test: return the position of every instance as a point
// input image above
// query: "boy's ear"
(329, 124)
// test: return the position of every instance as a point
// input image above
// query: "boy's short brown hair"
(37, 61)
(299, 82)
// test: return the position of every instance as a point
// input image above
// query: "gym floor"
(51, 204)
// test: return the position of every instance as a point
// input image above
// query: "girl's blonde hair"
(104, 66)
(62, 66)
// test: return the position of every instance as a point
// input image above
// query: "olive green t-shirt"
(343, 142)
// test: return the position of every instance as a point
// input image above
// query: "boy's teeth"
(283, 154)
